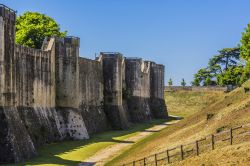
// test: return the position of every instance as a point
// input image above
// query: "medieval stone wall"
(137, 91)
(15, 142)
(158, 106)
(67, 72)
(35, 85)
(113, 73)
(52, 94)
(91, 98)
(7, 72)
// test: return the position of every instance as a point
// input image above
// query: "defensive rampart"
(52, 94)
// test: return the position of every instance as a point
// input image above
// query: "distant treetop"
(170, 82)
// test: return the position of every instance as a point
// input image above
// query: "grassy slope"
(230, 110)
(73, 152)
(238, 154)
(185, 103)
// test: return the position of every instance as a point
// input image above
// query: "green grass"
(133, 148)
(73, 152)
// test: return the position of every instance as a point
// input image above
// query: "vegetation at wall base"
(74, 152)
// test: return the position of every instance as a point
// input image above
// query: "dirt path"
(107, 154)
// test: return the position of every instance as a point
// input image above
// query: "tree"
(183, 83)
(232, 76)
(196, 82)
(245, 44)
(202, 77)
(217, 67)
(245, 53)
(227, 57)
(33, 27)
(170, 82)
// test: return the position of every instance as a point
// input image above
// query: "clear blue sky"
(181, 34)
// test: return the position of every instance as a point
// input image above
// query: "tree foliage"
(170, 82)
(33, 27)
(245, 53)
(245, 44)
(223, 69)
(227, 57)
(183, 83)
(232, 76)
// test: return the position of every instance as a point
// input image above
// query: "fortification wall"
(137, 92)
(158, 105)
(51, 94)
(35, 85)
(67, 72)
(28, 114)
(14, 145)
(197, 88)
(113, 73)
(91, 95)
(7, 72)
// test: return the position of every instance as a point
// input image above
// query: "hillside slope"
(230, 110)
(184, 103)
(238, 154)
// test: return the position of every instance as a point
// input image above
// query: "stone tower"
(138, 89)
(15, 143)
(67, 72)
(158, 105)
(7, 45)
(113, 74)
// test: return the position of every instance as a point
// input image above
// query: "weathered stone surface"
(35, 77)
(158, 105)
(91, 95)
(113, 73)
(137, 91)
(70, 124)
(67, 72)
(15, 142)
(7, 72)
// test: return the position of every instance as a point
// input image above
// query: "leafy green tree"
(202, 76)
(33, 27)
(245, 53)
(227, 57)
(245, 44)
(183, 83)
(232, 76)
(246, 73)
(196, 81)
(217, 67)
(170, 82)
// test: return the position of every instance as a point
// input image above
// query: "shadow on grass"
(48, 154)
